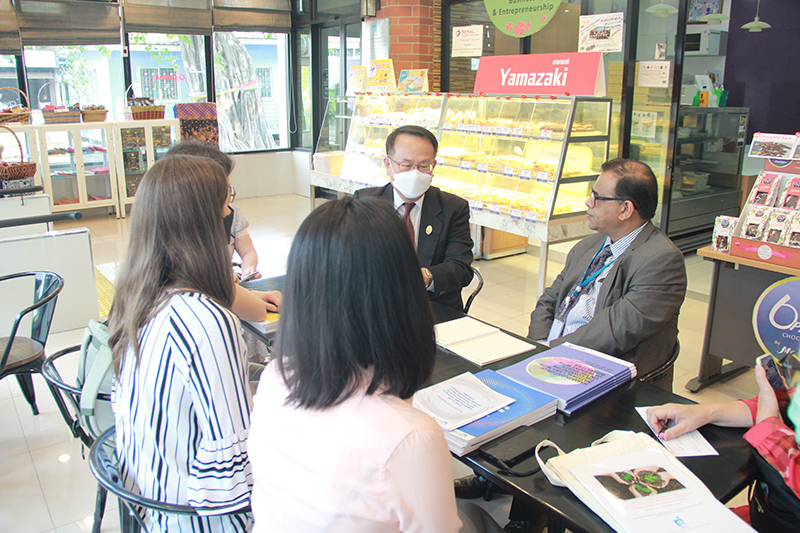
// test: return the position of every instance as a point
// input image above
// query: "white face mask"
(412, 184)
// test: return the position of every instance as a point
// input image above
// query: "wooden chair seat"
(23, 351)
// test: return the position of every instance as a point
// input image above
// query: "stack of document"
(479, 342)
(573, 374)
(474, 409)
(269, 325)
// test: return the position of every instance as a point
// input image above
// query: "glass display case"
(77, 165)
(139, 144)
(29, 141)
(707, 166)
(526, 158)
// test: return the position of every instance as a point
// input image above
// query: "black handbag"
(773, 505)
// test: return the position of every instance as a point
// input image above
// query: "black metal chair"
(472, 296)
(88, 431)
(103, 463)
(24, 356)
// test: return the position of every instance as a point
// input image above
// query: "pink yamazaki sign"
(558, 74)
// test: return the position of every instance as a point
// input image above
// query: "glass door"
(96, 167)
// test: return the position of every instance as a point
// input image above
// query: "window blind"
(252, 15)
(67, 23)
(9, 30)
(186, 17)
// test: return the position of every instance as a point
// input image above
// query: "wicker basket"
(23, 117)
(144, 112)
(94, 115)
(69, 116)
(22, 170)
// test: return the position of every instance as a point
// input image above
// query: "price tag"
(478, 205)
(358, 149)
(517, 132)
(542, 176)
(494, 209)
(375, 120)
(439, 160)
(502, 130)
(487, 130)
(358, 119)
(465, 165)
(516, 214)
(545, 135)
(530, 216)
(447, 126)
(461, 127)
(525, 175)
(396, 121)
(474, 128)
(483, 167)
(508, 171)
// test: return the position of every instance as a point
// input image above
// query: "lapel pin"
(428, 230)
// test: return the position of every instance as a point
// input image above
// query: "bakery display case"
(138, 145)
(525, 164)
(77, 165)
(707, 167)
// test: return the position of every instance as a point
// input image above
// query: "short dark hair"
(199, 149)
(416, 131)
(355, 311)
(636, 183)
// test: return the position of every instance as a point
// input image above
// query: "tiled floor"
(45, 484)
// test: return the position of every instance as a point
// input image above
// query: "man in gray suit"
(627, 303)
(438, 222)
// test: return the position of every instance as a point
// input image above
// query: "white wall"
(271, 174)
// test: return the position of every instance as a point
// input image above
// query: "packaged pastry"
(765, 189)
(793, 235)
(776, 227)
(723, 229)
(791, 196)
(755, 222)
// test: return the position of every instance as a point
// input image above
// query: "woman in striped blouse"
(180, 400)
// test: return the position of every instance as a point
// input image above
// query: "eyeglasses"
(427, 168)
(233, 193)
(595, 197)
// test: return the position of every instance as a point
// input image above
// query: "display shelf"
(524, 164)
(139, 144)
(77, 165)
(707, 167)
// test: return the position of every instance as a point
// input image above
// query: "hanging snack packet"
(776, 226)
(755, 222)
(791, 196)
(723, 228)
(765, 189)
(793, 234)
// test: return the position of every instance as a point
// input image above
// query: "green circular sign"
(520, 18)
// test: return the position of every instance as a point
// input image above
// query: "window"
(251, 79)
(159, 83)
(264, 77)
(169, 69)
(65, 75)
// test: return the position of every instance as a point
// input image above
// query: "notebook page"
(461, 329)
(490, 348)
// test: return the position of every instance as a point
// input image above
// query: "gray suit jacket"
(447, 250)
(636, 318)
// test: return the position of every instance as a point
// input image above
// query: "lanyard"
(591, 278)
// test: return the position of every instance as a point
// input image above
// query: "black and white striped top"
(182, 415)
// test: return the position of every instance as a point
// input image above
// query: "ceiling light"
(661, 9)
(713, 18)
(756, 25)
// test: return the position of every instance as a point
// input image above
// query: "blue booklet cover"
(573, 374)
(529, 407)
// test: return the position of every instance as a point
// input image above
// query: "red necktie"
(407, 220)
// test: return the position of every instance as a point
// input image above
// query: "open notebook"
(478, 342)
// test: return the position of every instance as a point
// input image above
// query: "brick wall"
(412, 34)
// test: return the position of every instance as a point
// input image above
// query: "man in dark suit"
(438, 221)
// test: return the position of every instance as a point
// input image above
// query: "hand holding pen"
(673, 420)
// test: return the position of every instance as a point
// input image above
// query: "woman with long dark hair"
(180, 397)
(335, 443)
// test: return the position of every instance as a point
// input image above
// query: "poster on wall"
(520, 18)
(643, 124)
(653, 73)
(700, 8)
(775, 318)
(374, 40)
(468, 41)
(773, 145)
(601, 33)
